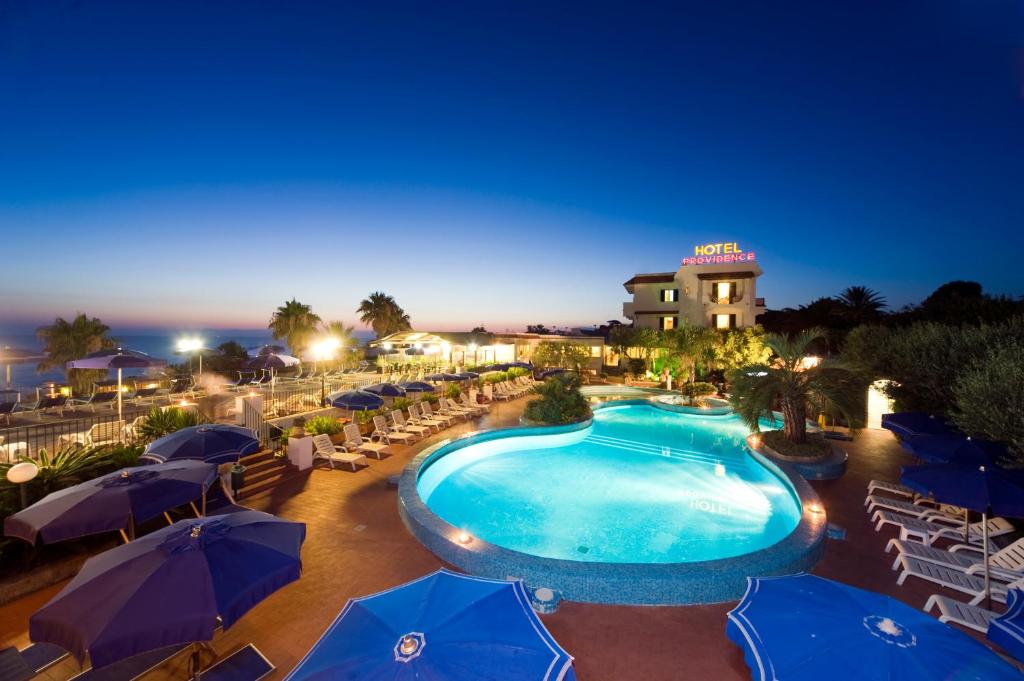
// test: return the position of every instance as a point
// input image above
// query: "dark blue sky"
(197, 163)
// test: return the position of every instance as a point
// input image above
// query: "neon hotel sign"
(713, 254)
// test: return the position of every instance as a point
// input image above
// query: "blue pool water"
(642, 485)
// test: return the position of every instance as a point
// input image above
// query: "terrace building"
(714, 287)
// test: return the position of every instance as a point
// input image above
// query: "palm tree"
(383, 314)
(860, 304)
(694, 345)
(64, 341)
(296, 323)
(795, 384)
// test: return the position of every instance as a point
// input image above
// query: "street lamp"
(20, 474)
(189, 346)
(324, 350)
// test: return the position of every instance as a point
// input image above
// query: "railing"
(27, 440)
(724, 300)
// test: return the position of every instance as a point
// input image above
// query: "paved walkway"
(356, 544)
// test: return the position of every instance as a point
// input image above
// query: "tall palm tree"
(860, 304)
(64, 341)
(383, 314)
(789, 381)
(296, 323)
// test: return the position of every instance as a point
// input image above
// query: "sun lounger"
(445, 406)
(41, 656)
(471, 400)
(354, 441)
(145, 395)
(97, 399)
(42, 405)
(245, 664)
(131, 668)
(398, 419)
(428, 412)
(958, 612)
(13, 667)
(973, 586)
(384, 431)
(916, 510)
(928, 532)
(471, 405)
(6, 409)
(416, 416)
(99, 434)
(323, 448)
(1007, 562)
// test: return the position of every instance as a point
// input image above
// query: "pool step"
(676, 453)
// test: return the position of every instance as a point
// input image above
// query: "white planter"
(300, 452)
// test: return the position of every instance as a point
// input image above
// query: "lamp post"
(20, 474)
(190, 346)
(324, 350)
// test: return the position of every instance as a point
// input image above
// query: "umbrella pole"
(131, 527)
(984, 534)
(203, 505)
(967, 539)
(196, 662)
(119, 393)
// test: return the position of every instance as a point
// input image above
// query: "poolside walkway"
(356, 545)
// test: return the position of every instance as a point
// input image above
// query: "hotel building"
(714, 287)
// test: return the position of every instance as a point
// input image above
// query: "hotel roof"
(652, 278)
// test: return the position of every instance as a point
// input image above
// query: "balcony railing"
(724, 300)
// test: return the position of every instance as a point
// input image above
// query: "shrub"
(989, 398)
(401, 403)
(452, 391)
(495, 377)
(516, 372)
(813, 446)
(559, 401)
(323, 425)
(636, 366)
(162, 422)
(699, 389)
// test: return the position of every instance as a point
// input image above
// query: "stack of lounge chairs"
(937, 544)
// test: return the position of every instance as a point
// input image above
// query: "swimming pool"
(643, 504)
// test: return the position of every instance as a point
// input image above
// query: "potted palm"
(796, 384)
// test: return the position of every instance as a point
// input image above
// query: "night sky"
(166, 164)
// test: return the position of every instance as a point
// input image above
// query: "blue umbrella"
(443, 377)
(266, 350)
(169, 587)
(1007, 630)
(212, 442)
(951, 447)
(521, 365)
(550, 372)
(417, 387)
(981, 487)
(112, 502)
(806, 628)
(386, 390)
(911, 423)
(119, 359)
(440, 626)
(272, 360)
(355, 400)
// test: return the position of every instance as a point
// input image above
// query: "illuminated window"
(667, 323)
(723, 291)
(595, 350)
(669, 295)
(723, 321)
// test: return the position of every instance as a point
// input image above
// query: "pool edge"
(711, 581)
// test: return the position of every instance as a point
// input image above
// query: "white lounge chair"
(398, 419)
(104, 433)
(923, 511)
(429, 413)
(971, 585)
(323, 448)
(1007, 563)
(417, 416)
(448, 407)
(387, 433)
(890, 488)
(472, 399)
(928, 532)
(355, 442)
(466, 403)
(966, 615)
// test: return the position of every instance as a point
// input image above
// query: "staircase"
(263, 472)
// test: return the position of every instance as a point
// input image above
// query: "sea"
(161, 344)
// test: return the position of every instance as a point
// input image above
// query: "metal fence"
(28, 439)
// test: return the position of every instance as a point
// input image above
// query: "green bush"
(495, 377)
(323, 425)
(162, 422)
(989, 398)
(813, 446)
(452, 391)
(636, 366)
(699, 389)
(516, 372)
(559, 401)
(401, 403)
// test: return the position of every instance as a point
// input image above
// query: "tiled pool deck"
(356, 544)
